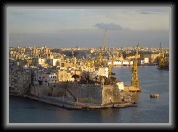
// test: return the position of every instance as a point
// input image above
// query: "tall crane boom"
(161, 58)
(99, 56)
(103, 43)
(134, 78)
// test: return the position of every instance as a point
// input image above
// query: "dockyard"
(72, 82)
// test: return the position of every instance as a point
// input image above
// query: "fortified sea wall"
(85, 93)
(96, 93)
(55, 89)
(110, 93)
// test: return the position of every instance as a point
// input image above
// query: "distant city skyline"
(84, 26)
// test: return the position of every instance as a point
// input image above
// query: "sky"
(65, 27)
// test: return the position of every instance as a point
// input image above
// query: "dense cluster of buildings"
(48, 67)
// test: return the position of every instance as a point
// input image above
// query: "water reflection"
(134, 110)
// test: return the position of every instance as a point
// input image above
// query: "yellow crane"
(110, 66)
(103, 43)
(161, 58)
(134, 69)
(89, 62)
(99, 56)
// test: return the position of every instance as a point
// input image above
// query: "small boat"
(154, 95)
(112, 73)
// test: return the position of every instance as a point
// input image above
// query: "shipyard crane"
(103, 43)
(110, 66)
(161, 58)
(134, 69)
(99, 56)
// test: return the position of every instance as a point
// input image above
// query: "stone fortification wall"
(70, 96)
(86, 93)
(19, 90)
(19, 79)
(81, 93)
(95, 94)
(110, 93)
(57, 89)
(40, 90)
(61, 84)
(90, 94)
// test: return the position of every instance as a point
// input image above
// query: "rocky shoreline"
(68, 104)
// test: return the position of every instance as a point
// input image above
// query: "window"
(62, 64)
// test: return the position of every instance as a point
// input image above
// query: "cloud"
(160, 11)
(144, 12)
(110, 26)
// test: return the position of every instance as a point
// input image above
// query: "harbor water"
(149, 110)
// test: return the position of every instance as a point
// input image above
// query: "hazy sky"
(85, 26)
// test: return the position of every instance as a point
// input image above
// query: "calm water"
(149, 110)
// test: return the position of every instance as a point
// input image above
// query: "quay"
(58, 101)
(131, 89)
